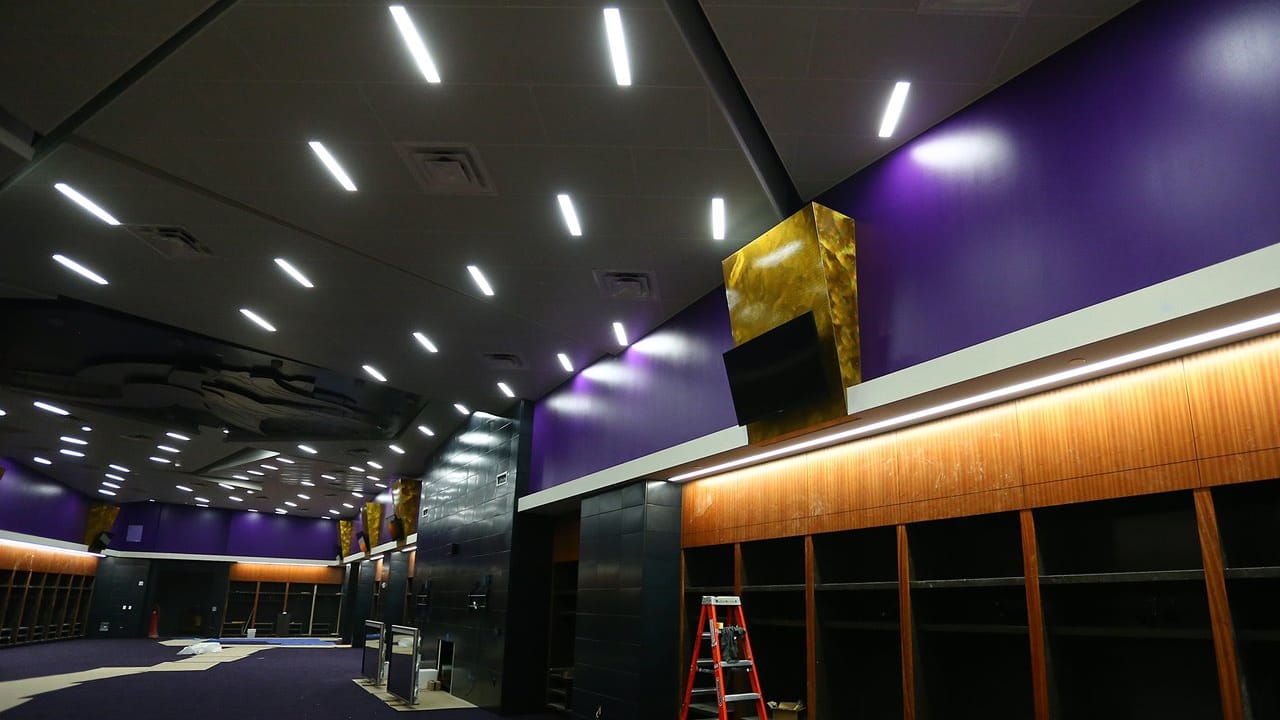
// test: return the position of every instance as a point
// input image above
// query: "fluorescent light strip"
(356, 468)
(240, 477)
(252, 510)
(565, 362)
(281, 511)
(256, 472)
(111, 485)
(85, 203)
(167, 449)
(617, 45)
(374, 465)
(42, 461)
(894, 109)
(83, 428)
(73, 440)
(177, 436)
(49, 548)
(620, 333)
(356, 493)
(329, 477)
(294, 273)
(331, 164)
(183, 488)
(306, 483)
(72, 453)
(50, 408)
(304, 497)
(291, 503)
(413, 40)
(349, 506)
(284, 460)
(717, 218)
(461, 408)
(396, 449)
(308, 449)
(506, 390)
(570, 216)
(233, 498)
(426, 431)
(986, 398)
(425, 342)
(2, 412)
(481, 282)
(257, 319)
(117, 478)
(106, 492)
(334, 512)
(79, 269)
(119, 468)
(226, 486)
(202, 500)
(373, 373)
(164, 461)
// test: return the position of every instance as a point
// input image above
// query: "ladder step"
(726, 664)
(704, 691)
(739, 697)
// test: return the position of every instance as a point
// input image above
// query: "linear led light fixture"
(462, 409)
(234, 498)
(304, 497)
(620, 333)
(72, 453)
(413, 40)
(117, 478)
(425, 342)
(617, 45)
(396, 449)
(119, 468)
(331, 164)
(308, 449)
(83, 428)
(506, 390)
(111, 485)
(85, 203)
(481, 282)
(334, 512)
(306, 483)
(284, 460)
(373, 373)
(73, 440)
(426, 431)
(717, 218)
(184, 488)
(226, 486)
(104, 491)
(374, 465)
(329, 477)
(50, 548)
(2, 412)
(177, 436)
(50, 408)
(162, 461)
(991, 396)
(256, 473)
(257, 319)
(570, 215)
(79, 269)
(893, 111)
(565, 362)
(293, 272)
(42, 461)
(167, 448)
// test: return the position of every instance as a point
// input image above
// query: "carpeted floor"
(278, 683)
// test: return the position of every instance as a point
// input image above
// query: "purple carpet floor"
(276, 684)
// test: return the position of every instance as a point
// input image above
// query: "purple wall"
(668, 387)
(209, 531)
(33, 504)
(1144, 151)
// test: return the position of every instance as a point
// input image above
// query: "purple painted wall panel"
(209, 531)
(1144, 151)
(668, 387)
(260, 534)
(33, 504)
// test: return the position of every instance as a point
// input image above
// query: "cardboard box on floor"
(786, 710)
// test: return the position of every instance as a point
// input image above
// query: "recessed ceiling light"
(396, 449)
(281, 511)
(565, 362)
(334, 512)
(79, 269)
(620, 333)
(348, 506)
(240, 477)
(304, 497)
(284, 460)
(893, 110)
(481, 282)
(570, 216)
(358, 494)
(233, 498)
(461, 408)
(372, 477)
(413, 40)
(306, 483)
(177, 436)
(226, 486)
(202, 500)
(42, 461)
(375, 465)
(260, 322)
(425, 342)
(308, 449)
(119, 468)
(2, 412)
(506, 390)
(252, 510)
(226, 431)
(72, 453)
(426, 431)
(617, 45)
(167, 448)
(265, 466)
(184, 488)
(331, 164)
(50, 408)
(717, 218)
(373, 373)
(294, 273)
(356, 468)
(111, 485)
(83, 428)
(250, 491)
(85, 203)
(106, 492)
(73, 440)
(117, 478)
(255, 472)
(381, 485)
(329, 477)
(164, 461)
(290, 503)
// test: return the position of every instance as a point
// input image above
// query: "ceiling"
(213, 140)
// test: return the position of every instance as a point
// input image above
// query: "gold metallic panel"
(407, 493)
(805, 263)
(373, 523)
(101, 517)
(346, 529)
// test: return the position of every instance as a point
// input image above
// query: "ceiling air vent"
(974, 7)
(503, 361)
(623, 285)
(447, 169)
(171, 241)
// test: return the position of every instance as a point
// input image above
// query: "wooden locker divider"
(737, 569)
(905, 627)
(1035, 616)
(810, 630)
(1224, 639)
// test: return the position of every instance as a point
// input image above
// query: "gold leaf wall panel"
(346, 529)
(373, 523)
(407, 493)
(101, 517)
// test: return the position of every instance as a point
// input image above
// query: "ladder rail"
(709, 618)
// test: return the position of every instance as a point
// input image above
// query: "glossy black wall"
(392, 597)
(626, 654)
(119, 606)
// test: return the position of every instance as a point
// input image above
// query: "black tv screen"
(776, 371)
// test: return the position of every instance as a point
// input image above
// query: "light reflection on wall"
(673, 347)
(1243, 52)
(974, 152)
(476, 437)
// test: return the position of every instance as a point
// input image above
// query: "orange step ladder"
(719, 631)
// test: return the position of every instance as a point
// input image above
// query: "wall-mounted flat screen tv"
(777, 370)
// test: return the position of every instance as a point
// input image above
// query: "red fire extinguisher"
(154, 631)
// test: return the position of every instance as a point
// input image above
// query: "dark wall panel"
(120, 599)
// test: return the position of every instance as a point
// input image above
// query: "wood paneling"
(1224, 640)
(1035, 616)
(315, 574)
(905, 624)
(1240, 467)
(1141, 481)
(810, 631)
(966, 454)
(853, 477)
(21, 557)
(1234, 393)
